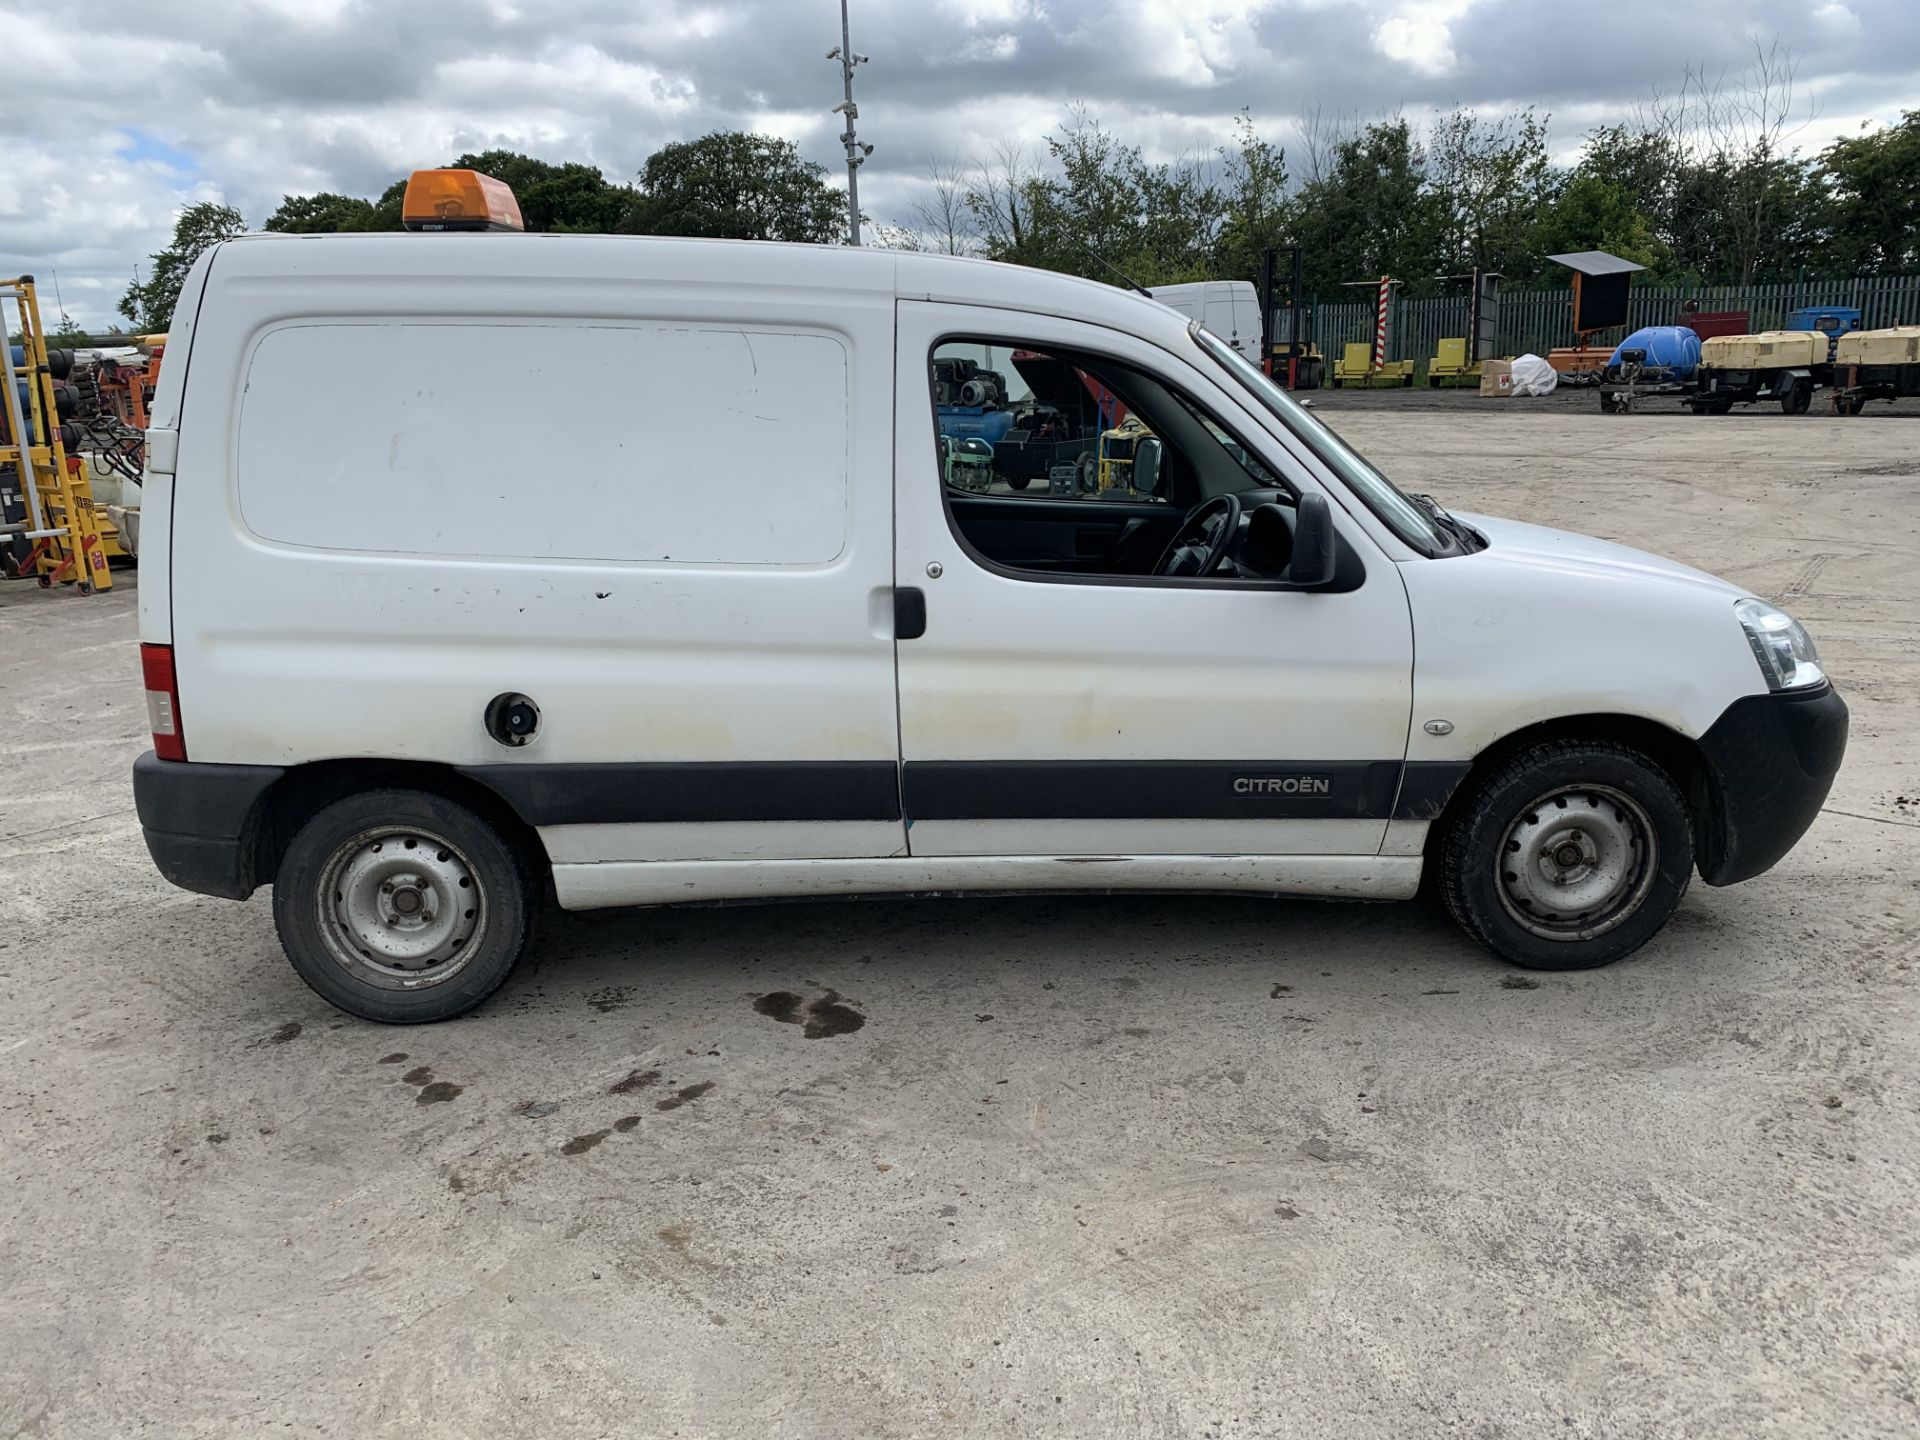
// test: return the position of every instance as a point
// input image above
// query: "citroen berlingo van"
(487, 569)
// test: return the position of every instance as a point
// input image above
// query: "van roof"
(908, 275)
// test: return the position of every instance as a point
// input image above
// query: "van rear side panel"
(423, 472)
(156, 488)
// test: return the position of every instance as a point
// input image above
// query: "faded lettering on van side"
(1282, 785)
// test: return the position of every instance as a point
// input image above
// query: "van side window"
(1014, 421)
(1025, 435)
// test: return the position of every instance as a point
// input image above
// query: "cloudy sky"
(113, 116)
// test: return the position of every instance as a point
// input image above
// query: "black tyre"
(1798, 399)
(1019, 482)
(1568, 855)
(402, 907)
(1088, 473)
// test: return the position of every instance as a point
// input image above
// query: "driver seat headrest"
(1267, 549)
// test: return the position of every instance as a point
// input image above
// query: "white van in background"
(1229, 308)
(486, 567)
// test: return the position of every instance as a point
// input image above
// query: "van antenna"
(1131, 283)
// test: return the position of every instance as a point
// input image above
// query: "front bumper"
(202, 822)
(1772, 759)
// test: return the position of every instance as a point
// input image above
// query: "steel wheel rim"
(399, 906)
(1576, 862)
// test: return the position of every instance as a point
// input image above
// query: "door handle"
(909, 613)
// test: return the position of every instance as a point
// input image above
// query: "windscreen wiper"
(1454, 526)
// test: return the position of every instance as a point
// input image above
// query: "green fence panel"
(1536, 321)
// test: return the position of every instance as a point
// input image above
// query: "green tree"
(68, 334)
(1372, 214)
(733, 185)
(569, 196)
(1099, 206)
(1090, 207)
(1745, 216)
(1253, 202)
(319, 214)
(996, 196)
(1589, 212)
(1873, 181)
(1489, 180)
(149, 303)
(1639, 162)
(388, 208)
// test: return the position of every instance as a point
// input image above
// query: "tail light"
(163, 702)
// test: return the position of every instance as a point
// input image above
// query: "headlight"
(1785, 650)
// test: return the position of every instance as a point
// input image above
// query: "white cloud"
(995, 13)
(1003, 46)
(1837, 19)
(1199, 42)
(1419, 34)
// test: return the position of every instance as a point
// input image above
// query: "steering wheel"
(1205, 535)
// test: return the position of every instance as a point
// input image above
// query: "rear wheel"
(402, 907)
(1798, 398)
(1569, 855)
(1019, 482)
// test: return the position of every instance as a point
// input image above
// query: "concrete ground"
(1136, 1166)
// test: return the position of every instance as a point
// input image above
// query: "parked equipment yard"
(1007, 1167)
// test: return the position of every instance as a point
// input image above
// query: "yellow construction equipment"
(1119, 448)
(58, 522)
(1355, 367)
(1451, 363)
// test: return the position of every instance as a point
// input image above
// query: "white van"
(1229, 308)
(486, 568)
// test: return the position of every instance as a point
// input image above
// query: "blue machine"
(20, 385)
(964, 422)
(1833, 321)
(1672, 351)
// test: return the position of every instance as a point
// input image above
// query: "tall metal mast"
(856, 152)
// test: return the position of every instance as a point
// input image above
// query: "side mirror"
(1312, 543)
(1147, 456)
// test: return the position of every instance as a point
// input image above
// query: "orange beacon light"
(459, 200)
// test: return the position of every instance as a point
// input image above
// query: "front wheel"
(402, 907)
(1798, 398)
(1569, 855)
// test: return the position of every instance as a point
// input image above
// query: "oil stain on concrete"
(820, 1019)
(432, 1091)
